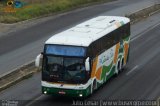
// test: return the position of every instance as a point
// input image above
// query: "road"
(140, 81)
(21, 46)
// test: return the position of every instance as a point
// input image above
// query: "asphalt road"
(22, 46)
(140, 81)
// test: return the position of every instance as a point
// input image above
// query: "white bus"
(79, 60)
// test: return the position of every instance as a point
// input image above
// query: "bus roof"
(89, 31)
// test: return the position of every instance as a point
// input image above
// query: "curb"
(29, 69)
(143, 13)
(17, 75)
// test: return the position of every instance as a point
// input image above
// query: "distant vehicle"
(79, 60)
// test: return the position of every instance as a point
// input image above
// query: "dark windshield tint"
(64, 69)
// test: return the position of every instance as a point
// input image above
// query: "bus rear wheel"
(122, 65)
(117, 68)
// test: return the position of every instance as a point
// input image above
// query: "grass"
(38, 8)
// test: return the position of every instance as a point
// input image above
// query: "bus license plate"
(62, 92)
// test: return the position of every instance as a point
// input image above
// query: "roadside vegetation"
(39, 8)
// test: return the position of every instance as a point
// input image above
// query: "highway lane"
(140, 81)
(22, 46)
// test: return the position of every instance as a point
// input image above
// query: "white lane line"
(140, 34)
(133, 69)
(34, 100)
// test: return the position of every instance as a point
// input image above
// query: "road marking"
(34, 101)
(132, 70)
(142, 33)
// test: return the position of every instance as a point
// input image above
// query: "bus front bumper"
(66, 92)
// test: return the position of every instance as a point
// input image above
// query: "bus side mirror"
(38, 60)
(87, 65)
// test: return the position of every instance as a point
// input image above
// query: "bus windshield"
(61, 50)
(64, 69)
(63, 65)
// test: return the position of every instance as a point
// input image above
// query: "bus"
(79, 60)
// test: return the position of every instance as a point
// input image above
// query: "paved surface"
(140, 81)
(21, 46)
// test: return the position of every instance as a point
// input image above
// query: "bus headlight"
(45, 92)
(80, 95)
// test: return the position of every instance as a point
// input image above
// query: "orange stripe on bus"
(94, 67)
(126, 47)
(116, 53)
(118, 24)
(98, 73)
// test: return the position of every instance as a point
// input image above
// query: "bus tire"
(117, 68)
(94, 86)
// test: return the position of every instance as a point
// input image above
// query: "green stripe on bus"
(105, 70)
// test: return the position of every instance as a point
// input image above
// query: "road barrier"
(141, 14)
(17, 75)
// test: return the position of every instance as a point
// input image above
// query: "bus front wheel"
(94, 86)
(122, 65)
